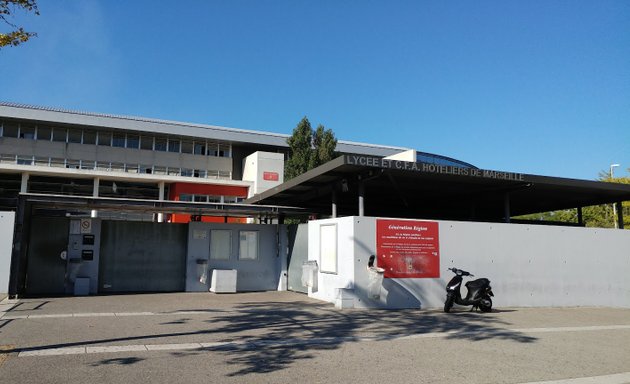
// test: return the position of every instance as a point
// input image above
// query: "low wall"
(528, 265)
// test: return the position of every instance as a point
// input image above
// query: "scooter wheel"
(448, 304)
(485, 304)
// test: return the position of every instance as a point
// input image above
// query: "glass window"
(25, 160)
(9, 129)
(187, 147)
(200, 198)
(89, 137)
(146, 169)
(102, 166)
(159, 170)
(220, 244)
(73, 164)
(185, 197)
(44, 132)
(173, 171)
(133, 141)
(213, 149)
(187, 172)
(224, 150)
(248, 245)
(200, 173)
(58, 163)
(42, 161)
(87, 164)
(131, 168)
(146, 142)
(199, 148)
(74, 135)
(105, 138)
(59, 134)
(225, 174)
(160, 144)
(173, 145)
(229, 199)
(27, 131)
(7, 159)
(118, 140)
(213, 174)
(117, 167)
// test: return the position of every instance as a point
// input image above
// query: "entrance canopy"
(375, 186)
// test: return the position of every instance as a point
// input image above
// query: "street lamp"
(614, 206)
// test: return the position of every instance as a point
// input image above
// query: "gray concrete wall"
(528, 265)
(7, 220)
(264, 274)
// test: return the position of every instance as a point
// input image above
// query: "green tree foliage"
(308, 149)
(17, 35)
(600, 216)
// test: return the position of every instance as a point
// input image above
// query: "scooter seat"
(477, 283)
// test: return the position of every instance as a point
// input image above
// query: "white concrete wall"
(7, 221)
(256, 165)
(410, 155)
(528, 265)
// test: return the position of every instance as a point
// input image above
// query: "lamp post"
(614, 206)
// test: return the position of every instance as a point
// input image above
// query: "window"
(200, 173)
(328, 248)
(9, 129)
(25, 160)
(214, 199)
(185, 197)
(173, 145)
(58, 163)
(89, 137)
(173, 171)
(224, 150)
(248, 245)
(59, 134)
(42, 161)
(87, 164)
(73, 164)
(146, 169)
(213, 174)
(199, 148)
(200, 198)
(187, 172)
(131, 168)
(229, 199)
(220, 244)
(187, 147)
(27, 131)
(159, 170)
(160, 144)
(225, 175)
(74, 136)
(105, 138)
(117, 167)
(146, 142)
(102, 166)
(118, 140)
(44, 133)
(133, 141)
(213, 149)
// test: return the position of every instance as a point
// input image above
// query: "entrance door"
(142, 257)
(46, 270)
(298, 255)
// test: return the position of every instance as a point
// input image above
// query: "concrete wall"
(266, 273)
(264, 169)
(528, 265)
(7, 220)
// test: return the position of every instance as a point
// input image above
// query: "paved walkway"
(282, 337)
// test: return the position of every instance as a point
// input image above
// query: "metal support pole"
(361, 197)
(619, 215)
(161, 198)
(334, 203)
(506, 207)
(24, 185)
(19, 239)
(580, 217)
(95, 188)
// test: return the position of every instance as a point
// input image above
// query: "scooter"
(479, 292)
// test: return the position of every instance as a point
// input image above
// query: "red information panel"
(271, 176)
(408, 248)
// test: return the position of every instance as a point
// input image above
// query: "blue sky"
(539, 87)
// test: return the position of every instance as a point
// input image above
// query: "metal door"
(46, 270)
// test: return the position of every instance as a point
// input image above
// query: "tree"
(17, 35)
(308, 149)
(600, 216)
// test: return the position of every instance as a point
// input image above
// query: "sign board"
(408, 248)
(271, 176)
(86, 225)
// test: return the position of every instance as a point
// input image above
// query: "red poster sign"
(271, 176)
(408, 248)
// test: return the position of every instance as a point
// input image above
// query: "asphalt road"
(281, 337)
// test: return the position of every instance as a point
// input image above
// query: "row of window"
(114, 139)
(210, 198)
(113, 167)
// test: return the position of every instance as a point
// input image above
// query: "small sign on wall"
(408, 248)
(86, 225)
(271, 176)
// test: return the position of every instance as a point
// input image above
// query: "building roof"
(422, 190)
(167, 127)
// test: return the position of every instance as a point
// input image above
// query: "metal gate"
(142, 257)
(46, 270)
(298, 255)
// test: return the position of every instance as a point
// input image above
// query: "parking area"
(287, 337)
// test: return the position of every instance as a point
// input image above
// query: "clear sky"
(539, 87)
